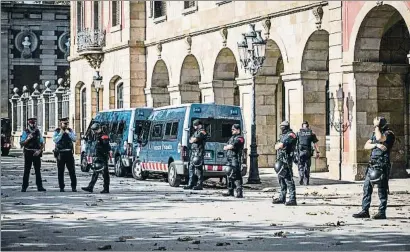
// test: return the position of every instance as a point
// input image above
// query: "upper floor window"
(189, 7)
(97, 15)
(115, 13)
(160, 9)
(120, 101)
(189, 4)
(80, 15)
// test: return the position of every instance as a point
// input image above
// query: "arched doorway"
(224, 83)
(190, 77)
(159, 85)
(79, 87)
(383, 87)
(113, 86)
(315, 76)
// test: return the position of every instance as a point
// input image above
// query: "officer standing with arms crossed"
(101, 152)
(234, 154)
(378, 172)
(32, 142)
(64, 138)
(196, 162)
(305, 139)
(283, 166)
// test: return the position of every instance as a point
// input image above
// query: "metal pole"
(340, 147)
(98, 100)
(253, 171)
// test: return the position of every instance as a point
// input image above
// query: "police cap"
(236, 126)
(64, 119)
(284, 123)
(32, 120)
(306, 123)
(197, 122)
(383, 122)
(95, 126)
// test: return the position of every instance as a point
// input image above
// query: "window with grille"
(115, 12)
(97, 17)
(189, 4)
(80, 16)
(83, 110)
(120, 101)
(160, 9)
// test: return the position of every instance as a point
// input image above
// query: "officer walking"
(285, 147)
(32, 142)
(101, 152)
(305, 139)
(378, 172)
(196, 162)
(234, 154)
(64, 149)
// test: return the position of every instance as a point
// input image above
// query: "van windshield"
(219, 130)
(139, 124)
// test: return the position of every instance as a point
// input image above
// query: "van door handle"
(221, 154)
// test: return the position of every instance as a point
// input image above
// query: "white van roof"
(189, 105)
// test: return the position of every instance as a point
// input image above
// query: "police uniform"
(64, 154)
(101, 147)
(381, 159)
(285, 155)
(30, 147)
(195, 168)
(234, 173)
(305, 139)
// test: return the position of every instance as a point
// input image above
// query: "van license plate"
(208, 155)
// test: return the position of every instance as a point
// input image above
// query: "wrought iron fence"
(39, 110)
(18, 114)
(66, 104)
(52, 113)
(30, 105)
(90, 39)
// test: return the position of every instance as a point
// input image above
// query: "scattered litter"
(55, 217)
(222, 244)
(269, 189)
(160, 248)
(325, 187)
(124, 238)
(338, 243)
(57, 232)
(82, 218)
(22, 237)
(280, 234)
(314, 193)
(105, 247)
(186, 238)
(156, 236)
(273, 225)
(217, 218)
(69, 212)
(311, 213)
(196, 242)
(19, 203)
(92, 204)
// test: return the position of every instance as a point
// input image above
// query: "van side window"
(138, 128)
(171, 130)
(157, 131)
(146, 130)
(120, 129)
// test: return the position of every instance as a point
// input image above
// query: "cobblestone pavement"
(150, 215)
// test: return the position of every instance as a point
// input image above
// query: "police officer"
(64, 138)
(32, 142)
(234, 154)
(196, 162)
(378, 171)
(305, 139)
(101, 151)
(285, 147)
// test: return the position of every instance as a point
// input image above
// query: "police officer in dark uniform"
(196, 162)
(102, 147)
(378, 172)
(234, 154)
(64, 149)
(32, 142)
(283, 166)
(304, 151)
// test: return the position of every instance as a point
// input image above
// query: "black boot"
(379, 216)
(239, 189)
(301, 181)
(188, 187)
(41, 189)
(105, 191)
(307, 181)
(278, 201)
(228, 193)
(362, 214)
(197, 187)
(62, 190)
(291, 203)
(23, 189)
(87, 189)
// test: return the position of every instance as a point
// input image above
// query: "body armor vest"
(65, 142)
(33, 143)
(305, 139)
(199, 146)
(236, 152)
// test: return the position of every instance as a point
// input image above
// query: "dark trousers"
(367, 194)
(235, 180)
(106, 177)
(304, 164)
(196, 174)
(29, 160)
(66, 159)
(286, 183)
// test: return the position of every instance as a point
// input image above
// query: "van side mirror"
(187, 129)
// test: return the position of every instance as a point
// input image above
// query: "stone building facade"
(312, 48)
(33, 47)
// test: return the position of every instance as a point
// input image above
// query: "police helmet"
(284, 124)
(376, 175)
(236, 126)
(228, 170)
(280, 168)
(382, 122)
(95, 126)
(196, 161)
(97, 165)
(196, 122)
(305, 123)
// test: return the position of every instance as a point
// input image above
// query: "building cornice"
(16, 7)
(238, 23)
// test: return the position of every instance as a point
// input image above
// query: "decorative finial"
(15, 90)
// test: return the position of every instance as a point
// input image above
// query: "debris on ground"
(105, 247)
(156, 236)
(57, 232)
(125, 238)
(280, 234)
(273, 225)
(82, 218)
(217, 218)
(19, 203)
(91, 204)
(196, 242)
(22, 237)
(69, 212)
(185, 238)
(161, 248)
(269, 189)
(311, 213)
(54, 217)
(222, 244)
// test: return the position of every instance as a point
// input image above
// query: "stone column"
(293, 99)
(45, 96)
(174, 95)
(207, 92)
(13, 100)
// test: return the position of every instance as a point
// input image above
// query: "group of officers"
(291, 148)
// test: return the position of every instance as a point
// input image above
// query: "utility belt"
(382, 163)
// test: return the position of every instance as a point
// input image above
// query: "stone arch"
(77, 119)
(112, 90)
(189, 80)
(224, 78)
(381, 48)
(269, 90)
(159, 85)
(314, 77)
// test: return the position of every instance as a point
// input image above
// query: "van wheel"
(137, 171)
(174, 179)
(5, 152)
(84, 164)
(119, 169)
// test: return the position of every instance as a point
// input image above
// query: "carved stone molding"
(224, 34)
(318, 13)
(266, 25)
(64, 43)
(26, 42)
(94, 59)
(188, 41)
(159, 50)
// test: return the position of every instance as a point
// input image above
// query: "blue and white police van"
(164, 144)
(122, 126)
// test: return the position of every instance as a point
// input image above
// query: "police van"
(122, 126)
(164, 144)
